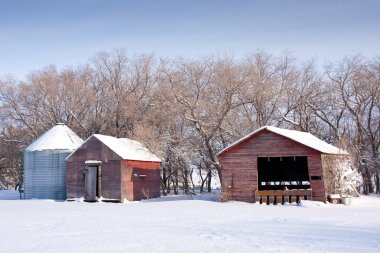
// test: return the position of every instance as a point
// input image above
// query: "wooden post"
(264, 199)
(271, 200)
(257, 198)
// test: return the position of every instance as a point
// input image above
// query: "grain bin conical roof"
(59, 137)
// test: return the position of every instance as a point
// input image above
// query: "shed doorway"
(92, 182)
(279, 173)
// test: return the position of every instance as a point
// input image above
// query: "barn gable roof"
(127, 149)
(304, 138)
(59, 137)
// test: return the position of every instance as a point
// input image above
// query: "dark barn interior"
(276, 173)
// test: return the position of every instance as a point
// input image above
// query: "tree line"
(186, 110)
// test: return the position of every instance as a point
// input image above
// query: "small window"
(316, 177)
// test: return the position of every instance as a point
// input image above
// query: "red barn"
(113, 169)
(278, 165)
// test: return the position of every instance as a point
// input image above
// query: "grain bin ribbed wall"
(45, 176)
(44, 163)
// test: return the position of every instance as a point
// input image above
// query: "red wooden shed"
(277, 163)
(113, 169)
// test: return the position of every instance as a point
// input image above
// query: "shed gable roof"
(127, 149)
(304, 138)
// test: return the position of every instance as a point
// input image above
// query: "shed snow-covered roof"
(59, 137)
(304, 138)
(127, 149)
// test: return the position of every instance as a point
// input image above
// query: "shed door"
(90, 183)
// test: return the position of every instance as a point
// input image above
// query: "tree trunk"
(168, 185)
(368, 187)
(164, 189)
(186, 182)
(176, 184)
(201, 187)
(209, 177)
(164, 181)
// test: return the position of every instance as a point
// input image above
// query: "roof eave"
(343, 153)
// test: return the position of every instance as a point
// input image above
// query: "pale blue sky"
(35, 33)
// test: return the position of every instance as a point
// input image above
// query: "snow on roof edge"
(303, 138)
(121, 145)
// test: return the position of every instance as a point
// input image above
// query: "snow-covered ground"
(188, 225)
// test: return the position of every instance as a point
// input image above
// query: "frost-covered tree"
(186, 110)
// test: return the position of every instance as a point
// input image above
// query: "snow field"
(182, 225)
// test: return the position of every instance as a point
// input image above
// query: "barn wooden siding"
(140, 180)
(239, 165)
(117, 176)
(93, 149)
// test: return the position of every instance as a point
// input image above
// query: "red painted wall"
(93, 149)
(116, 181)
(140, 180)
(239, 165)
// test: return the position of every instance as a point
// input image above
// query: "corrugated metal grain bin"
(44, 163)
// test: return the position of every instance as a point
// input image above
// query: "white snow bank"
(214, 196)
(309, 203)
(370, 201)
(188, 226)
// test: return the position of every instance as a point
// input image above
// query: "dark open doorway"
(276, 173)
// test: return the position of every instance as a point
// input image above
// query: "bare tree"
(186, 110)
(208, 92)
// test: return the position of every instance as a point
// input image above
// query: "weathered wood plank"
(90, 183)
(117, 180)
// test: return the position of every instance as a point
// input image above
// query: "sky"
(37, 33)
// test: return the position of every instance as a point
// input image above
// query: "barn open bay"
(196, 225)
